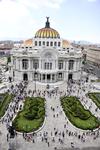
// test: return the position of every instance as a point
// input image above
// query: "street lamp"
(35, 75)
(12, 138)
(68, 82)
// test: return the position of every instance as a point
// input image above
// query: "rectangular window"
(53, 77)
(58, 43)
(44, 65)
(55, 43)
(47, 66)
(35, 75)
(43, 42)
(71, 64)
(47, 43)
(25, 64)
(50, 66)
(40, 77)
(60, 65)
(13, 73)
(35, 64)
(51, 44)
(60, 76)
(43, 76)
(35, 43)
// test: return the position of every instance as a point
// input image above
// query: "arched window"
(71, 64)
(25, 64)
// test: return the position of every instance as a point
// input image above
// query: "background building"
(93, 61)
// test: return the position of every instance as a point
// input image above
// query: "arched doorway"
(48, 77)
(70, 76)
(25, 77)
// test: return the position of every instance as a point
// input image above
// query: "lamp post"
(80, 82)
(68, 83)
(35, 76)
(12, 138)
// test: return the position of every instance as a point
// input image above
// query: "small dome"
(47, 32)
(28, 42)
(65, 44)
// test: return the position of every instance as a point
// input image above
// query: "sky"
(73, 19)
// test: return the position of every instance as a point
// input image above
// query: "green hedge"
(32, 116)
(97, 80)
(95, 96)
(77, 115)
(7, 98)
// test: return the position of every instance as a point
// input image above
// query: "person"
(7, 137)
(10, 79)
(48, 144)
(33, 141)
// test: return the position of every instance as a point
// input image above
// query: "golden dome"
(47, 32)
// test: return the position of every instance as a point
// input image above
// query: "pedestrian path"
(57, 131)
(54, 124)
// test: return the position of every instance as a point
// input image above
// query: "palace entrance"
(48, 77)
(70, 76)
(25, 77)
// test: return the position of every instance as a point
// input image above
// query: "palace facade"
(46, 58)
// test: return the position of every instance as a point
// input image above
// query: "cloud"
(36, 4)
(42, 3)
(15, 20)
(17, 16)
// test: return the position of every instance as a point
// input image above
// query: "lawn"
(95, 96)
(5, 99)
(77, 115)
(32, 116)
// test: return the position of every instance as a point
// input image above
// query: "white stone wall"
(47, 40)
(17, 68)
(56, 56)
(93, 55)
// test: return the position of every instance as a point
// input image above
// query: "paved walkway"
(56, 122)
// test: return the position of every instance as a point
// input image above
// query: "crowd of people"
(56, 135)
(18, 94)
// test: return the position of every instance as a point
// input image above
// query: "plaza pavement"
(52, 122)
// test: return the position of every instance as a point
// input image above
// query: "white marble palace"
(46, 58)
